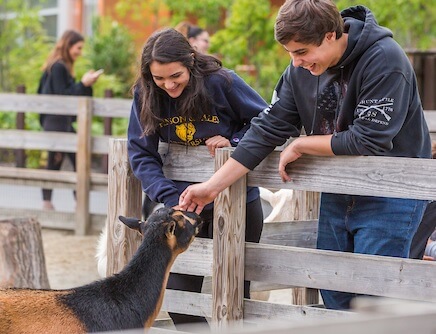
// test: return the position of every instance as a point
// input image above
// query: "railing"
(82, 143)
(229, 260)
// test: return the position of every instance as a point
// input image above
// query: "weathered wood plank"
(112, 107)
(83, 166)
(196, 260)
(124, 198)
(295, 233)
(42, 104)
(49, 141)
(355, 175)
(38, 140)
(364, 274)
(228, 251)
(49, 178)
(254, 311)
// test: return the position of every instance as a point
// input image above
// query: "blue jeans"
(366, 225)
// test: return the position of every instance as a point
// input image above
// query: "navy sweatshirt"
(369, 101)
(236, 104)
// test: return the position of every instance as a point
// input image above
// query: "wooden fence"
(229, 260)
(83, 143)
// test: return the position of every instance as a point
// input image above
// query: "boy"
(354, 91)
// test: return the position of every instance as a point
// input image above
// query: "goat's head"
(177, 227)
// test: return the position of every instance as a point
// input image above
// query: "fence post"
(228, 251)
(20, 155)
(107, 123)
(308, 208)
(83, 165)
(124, 198)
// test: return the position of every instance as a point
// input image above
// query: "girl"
(58, 79)
(185, 97)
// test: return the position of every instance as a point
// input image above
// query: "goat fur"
(148, 207)
(129, 299)
(281, 201)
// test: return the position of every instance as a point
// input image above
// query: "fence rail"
(82, 143)
(85, 144)
(229, 260)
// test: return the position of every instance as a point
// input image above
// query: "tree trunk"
(22, 261)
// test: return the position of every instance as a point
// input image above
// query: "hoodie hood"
(363, 31)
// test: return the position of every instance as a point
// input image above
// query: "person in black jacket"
(185, 97)
(353, 89)
(58, 79)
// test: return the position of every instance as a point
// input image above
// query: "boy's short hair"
(307, 21)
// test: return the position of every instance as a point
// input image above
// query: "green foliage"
(111, 47)
(23, 46)
(207, 12)
(248, 38)
(413, 22)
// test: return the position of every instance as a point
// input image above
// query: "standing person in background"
(58, 79)
(353, 89)
(185, 97)
(198, 37)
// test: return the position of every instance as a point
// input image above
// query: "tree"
(23, 45)
(413, 22)
(248, 39)
(111, 47)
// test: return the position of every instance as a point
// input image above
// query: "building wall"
(142, 24)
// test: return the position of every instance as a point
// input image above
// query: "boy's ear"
(133, 223)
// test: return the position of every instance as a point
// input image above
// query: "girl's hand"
(90, 77)
(216, 142)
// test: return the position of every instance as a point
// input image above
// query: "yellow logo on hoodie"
(185, 131)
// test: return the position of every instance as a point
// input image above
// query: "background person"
(185, 97)
(198, 37)
(58, 79)
(353, 89)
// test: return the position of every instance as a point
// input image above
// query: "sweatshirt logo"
(275, 98)
(185, 131)
(376, 110)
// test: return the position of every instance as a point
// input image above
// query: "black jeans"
(253, 231)
(54, 162)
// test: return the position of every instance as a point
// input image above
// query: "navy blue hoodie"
(369, 101)
(236, 104)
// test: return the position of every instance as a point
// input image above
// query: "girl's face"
(171, 77)
(201, 42)
(76, 50)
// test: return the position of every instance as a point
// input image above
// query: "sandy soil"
(70, 259)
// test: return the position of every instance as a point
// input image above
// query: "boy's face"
(316, 59)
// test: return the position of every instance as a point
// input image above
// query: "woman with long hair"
(184, 97)
(58, 79)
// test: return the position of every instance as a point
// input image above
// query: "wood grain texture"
(22, 260)
(124, 198)
(228, 251)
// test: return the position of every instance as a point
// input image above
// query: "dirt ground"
(70, 259)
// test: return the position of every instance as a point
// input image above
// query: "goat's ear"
(171, 228)
(133, 223)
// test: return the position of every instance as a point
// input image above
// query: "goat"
(148, 207)
(129, 299)
(281, 201)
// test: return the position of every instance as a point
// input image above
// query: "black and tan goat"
(129, 299)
